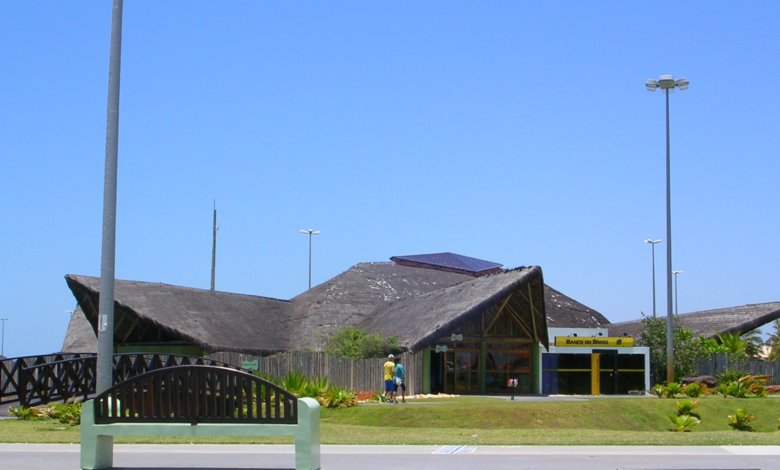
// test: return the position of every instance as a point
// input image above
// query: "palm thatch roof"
(81, 336)
(711, 322)
(213, 321)
(565, 312)
(425, 319)
(419, 304)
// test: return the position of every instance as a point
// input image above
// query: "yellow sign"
(593, 341)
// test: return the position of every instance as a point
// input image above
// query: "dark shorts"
(402, 386)
(389, 386)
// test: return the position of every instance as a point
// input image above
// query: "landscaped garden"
(495, 421)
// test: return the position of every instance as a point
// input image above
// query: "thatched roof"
(213, 321)
(417, 303)
(710, 322)
(425, 319)
(358, 293)
(565, 312)
(81, 336)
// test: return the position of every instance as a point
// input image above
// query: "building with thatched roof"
(710, 323)
(486, 323)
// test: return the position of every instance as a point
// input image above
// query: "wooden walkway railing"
(75, 377)
(10, 370)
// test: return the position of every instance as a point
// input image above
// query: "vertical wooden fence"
(353, 374)
(719, 363)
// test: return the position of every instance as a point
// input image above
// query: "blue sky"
(516, 132)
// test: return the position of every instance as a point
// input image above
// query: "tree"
(773, 341)
(652, 334)
(355, 343)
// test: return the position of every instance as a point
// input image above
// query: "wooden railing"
(11, 369)
(75, 377)
(196, 394)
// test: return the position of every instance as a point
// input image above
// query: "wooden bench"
(198, 400)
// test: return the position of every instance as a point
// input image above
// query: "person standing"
(389, 372)
(399, 374)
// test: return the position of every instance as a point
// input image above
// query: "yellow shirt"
(389, 368)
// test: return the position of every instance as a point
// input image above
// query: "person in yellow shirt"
(389, 369)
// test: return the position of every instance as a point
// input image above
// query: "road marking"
(455, 450)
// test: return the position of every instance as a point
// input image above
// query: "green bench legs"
(97, 440)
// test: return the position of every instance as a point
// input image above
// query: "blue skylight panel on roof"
(452, 260)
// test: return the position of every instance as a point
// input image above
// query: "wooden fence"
(719, 363)
(352, 374)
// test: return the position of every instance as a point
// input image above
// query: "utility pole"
(214, 249)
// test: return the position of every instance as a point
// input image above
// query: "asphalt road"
(277, 457)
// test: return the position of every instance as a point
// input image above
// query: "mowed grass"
(491, 421)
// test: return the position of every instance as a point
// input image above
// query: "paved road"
(277, 457)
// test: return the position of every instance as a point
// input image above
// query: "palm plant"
(732, 341)
(740, 420)
(773, 341)
(683, 423)
(753, 342)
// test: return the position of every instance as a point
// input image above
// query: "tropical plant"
(686, 407)
(673, 389)
(683, 423)
(753, 342)
(740, 420)
(694, 390)
(731, 375)
(338, 398)
(773, 341)
(659, 390)
(734, 344)
(356, 343)
(652, 333)
(22, 412)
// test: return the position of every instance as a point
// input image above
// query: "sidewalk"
(276, 457)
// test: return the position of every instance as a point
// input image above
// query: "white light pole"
(310, 232)
(668, 83)
(676, 310)
(652, 243)
(2, 341)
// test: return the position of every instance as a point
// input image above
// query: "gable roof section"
(565, 312)
(710, 322)
(213, 321)
(356, 294)
(424, 320)
(449, 262)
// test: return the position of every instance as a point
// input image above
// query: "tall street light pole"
(652, 243)
(676, 310)
(105, 346)
(2, 341)
(310, 232)
(668, 83)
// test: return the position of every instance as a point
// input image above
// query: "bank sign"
(594, 341)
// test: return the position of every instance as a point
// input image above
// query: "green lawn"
(489, 421)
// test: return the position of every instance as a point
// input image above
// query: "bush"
(338, 398)
(740, 420)
(694, 390)
(686, 407)
(672, 390)
(730, 376)
(355, 343)
(683, 423)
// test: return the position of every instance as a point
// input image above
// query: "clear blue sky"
(516, 132)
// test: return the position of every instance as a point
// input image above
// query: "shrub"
(740, 420)
(338, 398)
(683, 423)
(686, 407)
(730, 376)
(694, 390)
(672, 390)
(658, 390)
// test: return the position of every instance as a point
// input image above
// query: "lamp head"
(682, 83)
(651, 84)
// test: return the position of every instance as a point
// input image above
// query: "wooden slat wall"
(353, 374)
(719, 363)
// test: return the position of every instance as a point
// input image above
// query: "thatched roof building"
(419, 304)
(710, 322)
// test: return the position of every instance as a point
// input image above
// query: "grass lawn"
(490, 421)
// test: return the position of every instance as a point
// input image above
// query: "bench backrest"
(196, 394)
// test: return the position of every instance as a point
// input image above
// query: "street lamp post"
(652, 243)
(676, 310)
(2, 341)
(310, 232)
(668, 83)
